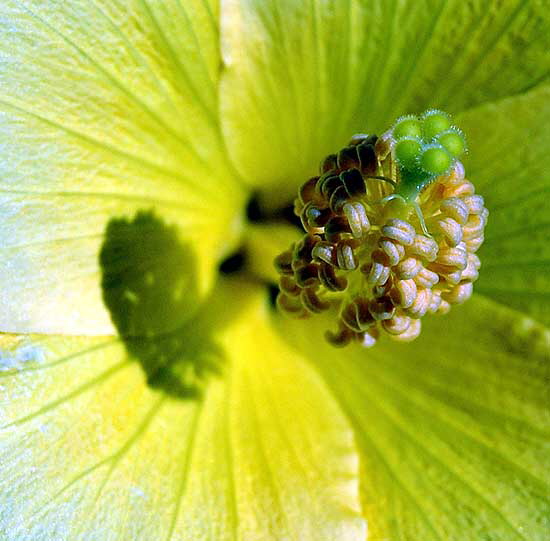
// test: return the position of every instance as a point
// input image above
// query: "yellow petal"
(453, 428)
(89, 450)
(106, 109)
(509, 163)
(301, 77)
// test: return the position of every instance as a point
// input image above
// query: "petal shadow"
(149, 287)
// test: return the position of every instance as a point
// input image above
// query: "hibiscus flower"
(149, 387)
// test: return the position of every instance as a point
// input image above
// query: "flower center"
(392, 229)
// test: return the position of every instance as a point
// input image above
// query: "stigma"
(385, 242)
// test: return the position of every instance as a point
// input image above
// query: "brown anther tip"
(338, 199)
(302, 250)
(307, 276)
(288, 285)
(354, 183)
(347, 158)
(367, 159)
(291, 306)
(381, 308)
(314, 217)
(330, 280)
(364, 138)
(329, 164)
(337, 227)
(340, 338)
(326, 186)
(307, 191)
(312, 302)
(283, 263)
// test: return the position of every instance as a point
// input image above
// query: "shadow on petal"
(149, 287)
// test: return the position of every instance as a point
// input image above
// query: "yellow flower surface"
(150, 390)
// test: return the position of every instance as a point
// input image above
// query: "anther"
(473, 244)
(329, 278)
(474, 227)
(307, 192)
(455, 208)
(357, 219)
(423, 247)
(354, 183)
(312, 302)
(459, 190)
(345, 256)
(408, 268)
(393, 250)
(341, 338)
(426, 278)
(403, 293)
(348, 158)
(474, 204)
(452, 257)
(420, 305)
(398, 324)
(324, 251)
(399, 230)
(336, 227)
(458, 294)
(381, 308)
(450, 229)
(367, 158)
(307, 276)
(288, 305)
(289, 286)
(283, 263)
(411, 333)
(314, 218)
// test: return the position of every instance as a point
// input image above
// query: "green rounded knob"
(407, 151)
(435, 160)
(407, 126)
(434, 122)
(452, 140)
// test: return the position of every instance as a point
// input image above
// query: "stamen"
(390, 238)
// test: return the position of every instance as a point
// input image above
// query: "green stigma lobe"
(407, 151)
(453, 141)
(424, 147)
(434, 122)
(407, 126)
(435, 160)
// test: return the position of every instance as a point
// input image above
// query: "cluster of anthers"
(392, 230)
